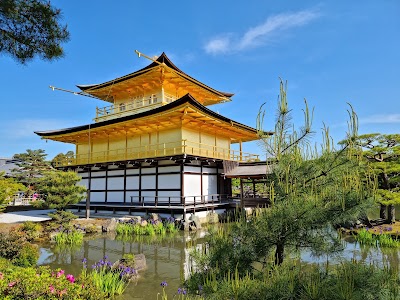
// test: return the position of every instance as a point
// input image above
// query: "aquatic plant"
(366, 237)
(112, 280)
(69, 237)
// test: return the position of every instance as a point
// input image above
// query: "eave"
(185, 112)
(156, 72)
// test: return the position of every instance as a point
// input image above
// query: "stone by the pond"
(110, 225)
(189, 225)
(195, 221)
(154, 217)
(138, 265)
(143, 223)
(212, 218)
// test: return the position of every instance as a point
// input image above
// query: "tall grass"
(111, 280)
(365, 237)
(150, 227)
(70, 237)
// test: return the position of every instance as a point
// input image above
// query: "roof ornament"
(72, 92)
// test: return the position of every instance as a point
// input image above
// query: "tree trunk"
(383, 214)
(280, 248)
(391, 214)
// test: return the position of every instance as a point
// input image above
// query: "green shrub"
(27, 256)
(62, 217)
(15, 248)
(44, 283)
(30, 230)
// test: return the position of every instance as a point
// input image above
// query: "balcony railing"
(134, 106)
(157, 150)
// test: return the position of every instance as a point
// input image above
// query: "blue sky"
(331, 52)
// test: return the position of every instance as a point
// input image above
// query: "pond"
(168, 258)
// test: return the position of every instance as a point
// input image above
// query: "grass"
(150, 228)
(366, 237)
(71, 237)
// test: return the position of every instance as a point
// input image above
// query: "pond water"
(168, 258)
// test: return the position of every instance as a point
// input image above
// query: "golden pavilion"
(156, 144)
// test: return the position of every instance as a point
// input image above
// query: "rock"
(138, 265)
(154, 217)
(137, 219)
(195, 222)
(140, 262)
(109, 225)
(212, 218)
(143, 223)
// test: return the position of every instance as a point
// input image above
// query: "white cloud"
(260, 34)
(380, 119)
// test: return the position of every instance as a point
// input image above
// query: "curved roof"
(251, 132)
(161, 60)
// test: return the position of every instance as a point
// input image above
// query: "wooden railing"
(157, 150)
(134, 106)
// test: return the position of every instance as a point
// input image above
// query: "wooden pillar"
(241, 194)
(240, 150)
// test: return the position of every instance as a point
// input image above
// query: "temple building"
(155, 144)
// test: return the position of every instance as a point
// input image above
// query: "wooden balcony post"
(240, 149)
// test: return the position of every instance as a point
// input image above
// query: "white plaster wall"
(210, 185)
(169, 169)
(209, 170)
(97, 197)
(148, 170)
(149, 182)
(191, 169)
(175, 196)
(132, 182)
(98, 174)
(135, 196)
(192, 186)
(171, 181)
(98, 184)
(132, 171)
(115, 183)
(115, 172)
(115, 196)
(83, 174)
(84, 182)
(149, 196)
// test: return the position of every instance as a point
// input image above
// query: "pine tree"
(60, 189)
(31, 28)
(8, 188)
(31, 166)
(382, 151)
(310, 191)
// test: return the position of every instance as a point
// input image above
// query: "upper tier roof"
(160, 70)
(193, 112)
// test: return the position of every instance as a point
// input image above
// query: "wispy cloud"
(380, 119)
(261, 34)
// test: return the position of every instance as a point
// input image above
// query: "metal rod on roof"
(181, 75)
(72, 92)
(148, 57)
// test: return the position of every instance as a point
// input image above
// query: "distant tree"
(31, 166)
(64, 158)
(59, 189)
(8, 188)
(382, 151)
(30, 28)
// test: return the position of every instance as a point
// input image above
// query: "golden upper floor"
(155, 85)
